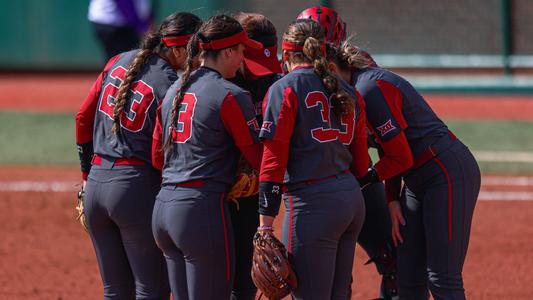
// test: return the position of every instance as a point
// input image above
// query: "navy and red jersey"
(298, 116)
(94, 121)
(400, 119)
(216, 120)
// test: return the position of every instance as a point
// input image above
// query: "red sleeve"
(359, 146)
(85, 116)
(397, 157)
(393, 187)
(274, 163)
(235, 123)
(276, 141)
(157, 142)
(394, 100)
(252, 154)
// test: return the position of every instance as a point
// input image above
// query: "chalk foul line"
(496, 184)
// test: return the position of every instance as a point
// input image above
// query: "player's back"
(203, 148)
(137, 120)
(317, 139)
(409, 109)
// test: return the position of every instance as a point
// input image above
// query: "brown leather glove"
(272, 272)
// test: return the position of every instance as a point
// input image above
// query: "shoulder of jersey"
(234, 89)
(285, 80)
(366, 78)
(129, 55)
(346, 87)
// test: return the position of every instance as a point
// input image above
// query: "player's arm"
(279, 118)
(359, 145)
(238, 116)
(85, 121)
(158, 157)
(393, 188)
(385, 119)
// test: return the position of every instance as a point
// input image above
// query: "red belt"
(192, 183)
(97, 160)
(430, 153)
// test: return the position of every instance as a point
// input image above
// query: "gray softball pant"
(118, 206)
(322, 222)
(438, 205)
(193, 228)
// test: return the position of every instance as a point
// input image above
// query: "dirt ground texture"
(45, 254)
(65, 93)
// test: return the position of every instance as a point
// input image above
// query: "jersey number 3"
(182, 132)
(133, 118)
(326, 133)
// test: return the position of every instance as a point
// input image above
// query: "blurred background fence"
(490, 39)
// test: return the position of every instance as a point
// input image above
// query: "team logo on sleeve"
(253, 123)
(266, 126)
(386, 128)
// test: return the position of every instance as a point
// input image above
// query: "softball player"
(204, 121)
(260, 70)
(310, 125)
(441, 179)
(375, 237)
(116, 122)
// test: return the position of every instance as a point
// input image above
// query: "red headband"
(176, 41)
(292, 47)
(239, 38)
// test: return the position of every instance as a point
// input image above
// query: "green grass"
(497, 136)
(494, 135)
(39, 138)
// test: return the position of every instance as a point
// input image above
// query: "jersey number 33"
(326, 133)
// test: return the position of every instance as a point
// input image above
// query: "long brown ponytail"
(309, 34)
(173, 25)
(216, 27)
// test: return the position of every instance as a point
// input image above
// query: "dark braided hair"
(179, 23)
(309, 34)
(219, 26)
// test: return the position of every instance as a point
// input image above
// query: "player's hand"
(397, 218)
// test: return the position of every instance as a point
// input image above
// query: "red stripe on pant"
(228, 275)
(441, 165)
(289, 240)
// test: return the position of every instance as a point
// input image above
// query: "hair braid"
(151, 41)
(192, 51)
(341, 101)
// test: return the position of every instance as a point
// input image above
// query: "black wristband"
(85, 151)
(370, 178)
(269, 198)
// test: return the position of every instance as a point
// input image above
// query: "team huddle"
(189, 145)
